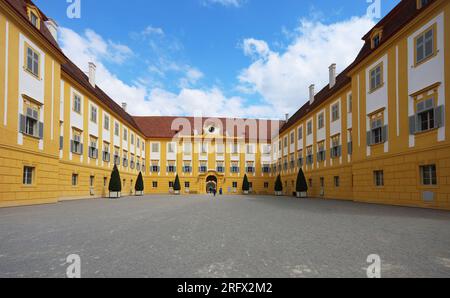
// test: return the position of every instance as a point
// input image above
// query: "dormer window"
(375, 37)
(376, 41)
(34, 17)
(422, 3)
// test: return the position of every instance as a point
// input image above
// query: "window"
(106, 155)
(285, 142)
(422, 3)
(220, 167)
(125, 134)
(266, 185)
(336, 149)
(34, 19)
(428, 175)
(376, 41)
(105, 181)
(427, 116)
(376, 77)
(292, 138)
(171, 183)
(155, 147)
(235, 149)
(74, 179)
(187, 169)
(309, 128)
(155, 169)
(116, 129)
(300, 133)
(30, 123)
(310, 182)
(320, 120)
(76, 145)
(154, 184)
(138, 143)
(77, 103)
(378, 132)
(235, 167)
(350, 104)
(309, 155)
(321, 153)
(32, 62)
(204, 148)
(132, 139)
(171, 169)
(93, 151)
(336, 181)
(378, 178)
(250, 149)
(28, 173)
(235, 185)
(93, 114)
(335, 112)
(91, 181)
(187, 185)
(203, 167)
(106, 122)
(425, 45)
(171, 147)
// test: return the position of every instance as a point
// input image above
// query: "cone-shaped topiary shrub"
(176, 184)
(278, 186)
(139, 187)
(115, 184)
(302, 186)
(245, 184)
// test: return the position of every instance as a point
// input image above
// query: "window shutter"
(71, 146)
(41, 130)
(22, 123)
(439, 116)
(412, 125)
(339, 151)
(81, 149)
(350, 148)
(384, 133)
(369, 138)
(61, 142)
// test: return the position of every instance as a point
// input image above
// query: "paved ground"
(232, 237)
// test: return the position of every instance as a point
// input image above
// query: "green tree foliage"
(115, 184)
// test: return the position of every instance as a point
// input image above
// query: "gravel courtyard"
(198, 236)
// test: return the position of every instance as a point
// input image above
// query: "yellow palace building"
(377, 133)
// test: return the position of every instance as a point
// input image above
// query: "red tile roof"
(161, 127)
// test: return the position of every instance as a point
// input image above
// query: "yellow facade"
(340, 124)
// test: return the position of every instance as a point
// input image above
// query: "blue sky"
(217, 57)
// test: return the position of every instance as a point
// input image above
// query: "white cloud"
(142, 101)
(282, 78)
(233, 3)
(150, 30)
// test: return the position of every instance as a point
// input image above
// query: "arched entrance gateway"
(211, 184)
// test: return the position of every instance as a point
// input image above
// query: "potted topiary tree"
(245, 185)
(115, 184)
(302, 186)
(278, 186)
(177, 185)
(139, 187)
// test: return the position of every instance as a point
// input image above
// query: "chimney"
(92, 69)
(287, 117)
(332, 69)
(124, 106)
(312, 94)
(52, 26)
